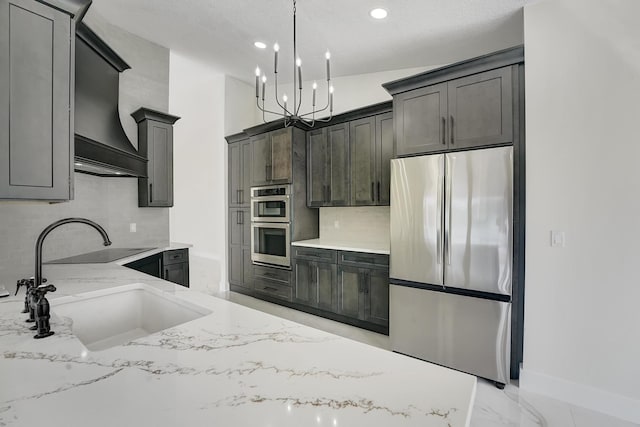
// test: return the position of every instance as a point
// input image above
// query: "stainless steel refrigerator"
(451, 259)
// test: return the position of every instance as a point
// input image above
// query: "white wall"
(582, 322)
(197, 95)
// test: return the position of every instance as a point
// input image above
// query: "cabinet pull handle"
(151, 192)
(452, 138)
(378, 191)
(238, 217)
(241, 217)
(166, 273)
(444, 130)
(329, 191)
(373, 196)
(270, 289)
(238, 197)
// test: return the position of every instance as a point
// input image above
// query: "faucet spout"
(51, 227)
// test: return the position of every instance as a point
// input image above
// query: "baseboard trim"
(581, 395)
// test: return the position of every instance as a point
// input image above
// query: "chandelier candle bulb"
(328, 56)
(276, 48)
(331, 99)
(257, 81)
(264, 82)
(299, 64)
(315, 86)
(284, 98)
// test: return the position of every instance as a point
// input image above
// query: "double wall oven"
(271, 225)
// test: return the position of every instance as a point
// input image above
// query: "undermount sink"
(111, 317)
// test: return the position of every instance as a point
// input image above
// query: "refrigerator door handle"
(439, 242)
(449, 162)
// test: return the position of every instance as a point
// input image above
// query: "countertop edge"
(339, 246)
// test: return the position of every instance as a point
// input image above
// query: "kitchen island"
(236, 366)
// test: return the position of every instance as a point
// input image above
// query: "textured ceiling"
(416, 32)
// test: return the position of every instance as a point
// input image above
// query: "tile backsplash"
(367, 224)
(111, 202)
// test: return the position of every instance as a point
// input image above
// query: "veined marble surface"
(236, 366)
(355, 246)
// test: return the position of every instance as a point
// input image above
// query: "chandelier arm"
(264, 110)
(299, 101)
(276, 89)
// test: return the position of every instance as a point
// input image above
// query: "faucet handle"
(42, 290)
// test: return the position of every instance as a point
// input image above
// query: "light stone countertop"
(234, 367)
(368, 247)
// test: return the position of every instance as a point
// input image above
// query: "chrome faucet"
(46, 231)
(35, 300)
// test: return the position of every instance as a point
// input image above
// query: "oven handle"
(271, 199)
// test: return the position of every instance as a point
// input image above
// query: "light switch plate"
(132, 227)
(557, 239)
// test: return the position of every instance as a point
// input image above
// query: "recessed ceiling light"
(78, 164)
(378, 13)
(260, 45)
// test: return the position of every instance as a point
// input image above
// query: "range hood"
(101, 145)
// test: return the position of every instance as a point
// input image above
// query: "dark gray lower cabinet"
(352, 285)
(172, 266)
(314, 284)
(272, 282)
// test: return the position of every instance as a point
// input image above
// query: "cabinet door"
(303, 282)
(326, 288)
(281, 155)
(481, 109)
(236, 227)
(384, 154)
(420, 118)
(362, 140)
(247, 277)
(350, 295)
(338, 149)
(245, 174)
(36, 132)
(261, 159)
(236, 265)
(317, 167)
(160, 165)
(235, 173)
(376, 297)
(177, 273)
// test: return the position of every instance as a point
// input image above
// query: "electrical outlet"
(132, 227)
(557, 239)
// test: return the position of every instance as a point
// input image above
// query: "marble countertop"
(368, 247)
(236, 366)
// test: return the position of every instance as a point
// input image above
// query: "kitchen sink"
(111, 317)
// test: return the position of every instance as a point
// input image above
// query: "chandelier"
(291, 113)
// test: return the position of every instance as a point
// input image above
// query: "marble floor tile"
(493, 407)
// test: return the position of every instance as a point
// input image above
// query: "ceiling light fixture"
(292, 115)
(260, 45)
(378, 13)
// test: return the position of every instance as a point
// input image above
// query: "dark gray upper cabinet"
(469, 104)
(271, 157)
(328, 166)
(421, 120)
(317, 166)
(481, 109)
(371, 141)
(384, 154)
(363, 161)
(36, 121)
(240, 173)
(155, 142)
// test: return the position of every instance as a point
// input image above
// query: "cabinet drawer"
(315, 254)
(272, 288)
(175, 256)
(282, 277)
(363, 259)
